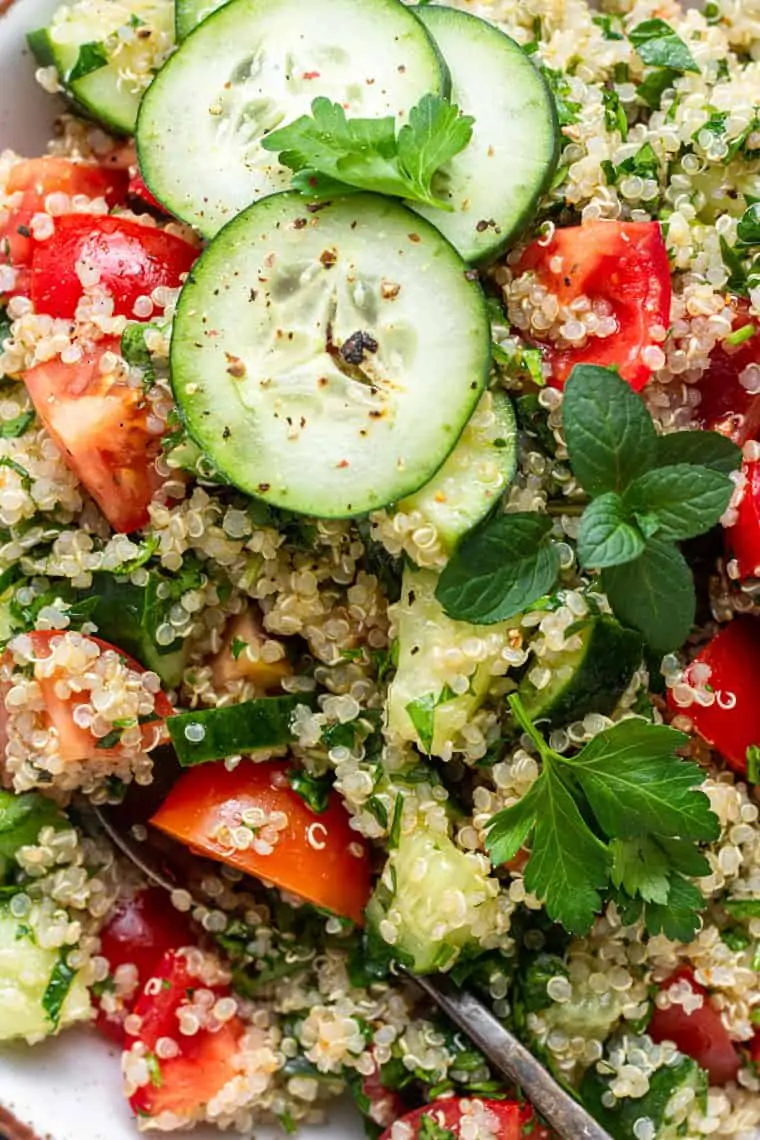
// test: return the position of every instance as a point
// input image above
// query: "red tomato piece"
(622, 263)
(700, 1034)
(100, 424)
(315, 856)
(725, 404)
(732, 722)
(385, 1105)
(138, 189)
(75, 743)
(132, 259)
(743, 538)
(38, 177)
(206, 1061)
(140, 930)
(507, 1117)
(754, 1051)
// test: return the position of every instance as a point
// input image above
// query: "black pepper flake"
(299, 223)
(226, 433)
(414, 237)
(24, 231)
(328, 257)
(264, 487)
(472, 275)
(353, 349)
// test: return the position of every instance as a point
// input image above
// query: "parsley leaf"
(654, 594)
(658, 45)
(499, 569)
(422, 715)
(652, 89)
(686, 500)
(58, 987)
(313, 790)
(12, 429)
(331, 153)
(623, 814)
(607, 536)
(92, 56)
(748, 229)
(609, 432)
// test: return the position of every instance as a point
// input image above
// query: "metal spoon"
(170, 866)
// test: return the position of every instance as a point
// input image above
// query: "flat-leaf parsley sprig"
(622, 818)
(332, 154)
(648, 492)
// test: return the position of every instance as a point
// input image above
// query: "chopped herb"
(609, 26)
(26, 479)
(58, 987)
(237, 647)
(653, 87)
(92, 56)
(154, 1070)
(742, 908)
(753, 764)
(659, 46)
(313, 790)
(12, 429)
(395, 830)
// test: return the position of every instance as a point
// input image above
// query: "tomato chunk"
(624, 264)
(132, 261)
(138, 189)
(505, 1118)
(699, 1034)
(743, 538)
(142, 927)
(732, 722)
(75, 743)
(726, 405)
(101, 425)
(35, 178)
(315, 856)
(205, 1060)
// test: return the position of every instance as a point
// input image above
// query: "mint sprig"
(647, 493)
(623, 817)
(332, 154)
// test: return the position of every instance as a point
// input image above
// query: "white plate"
(69, 1089)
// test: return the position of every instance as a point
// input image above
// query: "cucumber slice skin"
(602, 670)
(243, 72)
(233, 729)
(516, 131)
(479, 469)
(295, 429)
(188, 14)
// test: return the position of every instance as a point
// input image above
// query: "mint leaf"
(654, 594)
(92, 56)
(637, 785)
(608, 430)
(499, 569)
(685, 500)
(700, 448)
(658, 45)
(435, 132)
(606, 537)
(331, 153)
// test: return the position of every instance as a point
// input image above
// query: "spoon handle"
(568, 1118)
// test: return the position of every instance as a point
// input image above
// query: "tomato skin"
(100, 425)
(700, 1034)
(385, 1105)
(511, 1117)
(206, 1060)
(327, 874)
(38, 177)
(743, 538)
(624, 263)
(138, 189)
(725, 404)
(75, 743)
(133, 260)
(140, 930)
(733, 656)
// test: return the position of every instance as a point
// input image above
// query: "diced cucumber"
(440, 900)
(26, 970)
(129, 615)
(254, 65)
(479, 469)
(106, 53)
(328, 362)
(422, 708)
(495, 182)
(590, 678)
(232, 730)
(190, 13)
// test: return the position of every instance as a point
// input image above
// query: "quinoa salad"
(380, 478)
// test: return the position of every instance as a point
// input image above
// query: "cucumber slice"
(480, 467)
(106, 53)
(422, 708)
(589, 679)
(190, 13)
(328, 362)
(495, 182)
(440, 900)
(256, 64)
(232, 730)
